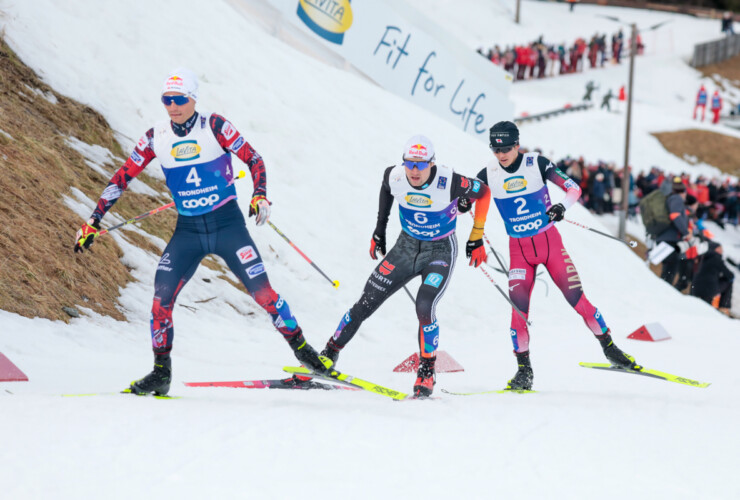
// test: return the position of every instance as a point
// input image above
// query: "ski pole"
(495, 254)
(334, 283)
(631, 243)
(505, 295)
(138, 217)
(150, 212)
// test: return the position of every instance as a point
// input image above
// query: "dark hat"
(690, 200)
(678, 185)
(504, 134)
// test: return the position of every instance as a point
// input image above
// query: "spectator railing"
(715, 51)
(549, 114)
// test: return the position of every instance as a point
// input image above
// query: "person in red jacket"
(521, 61)
(701, 102)
(716, 106)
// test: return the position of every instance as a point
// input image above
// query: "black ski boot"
(158, 381)
(614, 354)
(331, 351)
(307, 355)
(425, 378)
(524, 376)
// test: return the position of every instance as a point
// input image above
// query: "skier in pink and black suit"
(518, 185)
(195, 152)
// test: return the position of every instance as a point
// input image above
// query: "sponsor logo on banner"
(442, 183)
(418, 200)
(246, 254)
(517, 274)
(434, 279)
(185, 150)
(515, 184)
(530, 161)
(255, 270)
(330, 19)
(464, 183)
(476, 186)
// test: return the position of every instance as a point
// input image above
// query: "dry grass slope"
(719, 150)
(729, 69)
(39, 273)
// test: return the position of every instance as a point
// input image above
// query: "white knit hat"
(182, 80)
(419, 147)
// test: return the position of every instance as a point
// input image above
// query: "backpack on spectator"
(654, 213)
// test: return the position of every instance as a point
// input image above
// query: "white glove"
(261, 208)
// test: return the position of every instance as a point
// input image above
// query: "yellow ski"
(641, 370)
(335, 376)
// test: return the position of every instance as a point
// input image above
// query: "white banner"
(404, 52)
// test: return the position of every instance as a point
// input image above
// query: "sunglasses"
(180, 100)
(502, 150)
(421, 165)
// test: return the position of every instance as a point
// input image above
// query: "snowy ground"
(326, 137)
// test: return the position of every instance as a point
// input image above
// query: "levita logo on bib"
(329, 19)
(418, 200)
(185, 150)
(515, 184)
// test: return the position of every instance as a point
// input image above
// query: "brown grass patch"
(729, 69)
(39, 272)
(719, 150)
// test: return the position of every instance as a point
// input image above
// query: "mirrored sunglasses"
(421, 165)
(502, 150)
(180, 100)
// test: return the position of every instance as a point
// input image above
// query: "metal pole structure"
(626, 171)
(516, 18)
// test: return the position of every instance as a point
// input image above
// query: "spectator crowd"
(539, 59)
(696, 264)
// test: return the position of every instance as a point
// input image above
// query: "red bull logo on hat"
(417, 151)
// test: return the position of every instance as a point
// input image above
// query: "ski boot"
(308, 357)
(158, 381)
(331, 351)
(425, 378)
(614, 354)
(524, 376)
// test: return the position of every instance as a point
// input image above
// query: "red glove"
(377, 244)
(476, 252)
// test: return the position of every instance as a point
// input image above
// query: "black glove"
(377, 244)
(86, 235)
(556, 212)
(464, 205)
